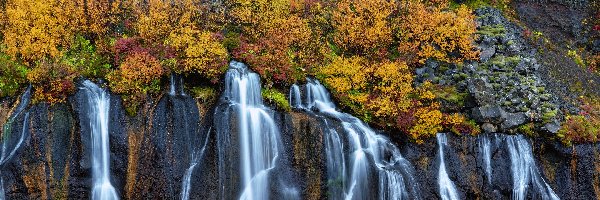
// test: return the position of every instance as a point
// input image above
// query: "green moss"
(527, 129)
(205, 94)
(576, 57)
(231, 40)
(276, 98)
(451, 95)
(547, 116)
(496, 30)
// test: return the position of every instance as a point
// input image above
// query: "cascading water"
(524, 170)
(294, 97)
(98, 110)
(485, 149)
(447, 188)
(186, 183)
(336, 164)
(172, 85)
(394, 172)
(176, 82)
(259, 138)
(9, 146)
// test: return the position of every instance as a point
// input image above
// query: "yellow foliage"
(454, 119)
(392, 84)
(259, 16)
(200, 53)
(430, 32)
(363, 24)
(156, 18)
(428, 123)
(35, 29)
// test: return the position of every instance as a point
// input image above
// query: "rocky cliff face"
(151, 152)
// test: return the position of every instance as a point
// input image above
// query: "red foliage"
(406, 120)
(268, 58)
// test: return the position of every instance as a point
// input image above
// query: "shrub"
(382, 93)
(276, 98)
(35, 29)
(584, 127)
(12, 75)
(83, 57)
(205, 94)
(363, 26)
(430, 32)
(458, 124)
(594, 64)
(52, 81)
(277, 42)
(199, 52)
(138, 76)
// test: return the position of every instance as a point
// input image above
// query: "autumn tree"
(137, 76)
(435, 32)
(35, 29)
(277, 40)
(382, 93)
(363, 26)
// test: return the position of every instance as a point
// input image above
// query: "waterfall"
(447, 188)
(9, 151)
(186, 185)
(524, 170)
(294, 97)
(336, 164)
(485, 149)
(259, 138)
(172, 85)
(176, 82)
(98, 111)
(370, 154)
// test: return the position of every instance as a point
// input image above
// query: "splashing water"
(98, 109)
(186, 185)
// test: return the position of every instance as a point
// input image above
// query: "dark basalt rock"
(156, 155)
(489, 114)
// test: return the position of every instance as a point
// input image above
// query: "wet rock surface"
(155, 158)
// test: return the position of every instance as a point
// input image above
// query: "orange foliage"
(382, 92)
(137, 76)
(430, 32)
(52, 81)
(278, 43)
(135, 73)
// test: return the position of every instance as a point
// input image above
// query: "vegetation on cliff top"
(364, 52)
